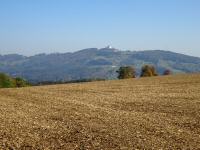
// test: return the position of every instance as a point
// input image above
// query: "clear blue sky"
(36, 26)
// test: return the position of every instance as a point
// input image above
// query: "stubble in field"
(148, 113)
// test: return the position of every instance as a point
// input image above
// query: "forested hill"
(92, 63)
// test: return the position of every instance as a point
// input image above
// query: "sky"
(30, 27)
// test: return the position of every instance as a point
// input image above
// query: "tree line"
(123, 73)
(66, 82)
(9, 82)
(146, 71)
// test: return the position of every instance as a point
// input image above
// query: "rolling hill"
(93, 63)
(145, 113)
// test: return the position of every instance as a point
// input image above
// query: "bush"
(167, 72)
(126, 72)
(20, 82)
(6, 81)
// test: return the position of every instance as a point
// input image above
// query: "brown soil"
(147, 113)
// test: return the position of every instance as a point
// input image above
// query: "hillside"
(93, 63)
(147, 113)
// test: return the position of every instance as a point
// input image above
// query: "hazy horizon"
(62, 52)
(49, 26)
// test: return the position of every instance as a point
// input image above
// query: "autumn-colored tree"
(148, 71)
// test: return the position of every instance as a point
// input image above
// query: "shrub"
(20, 82)
(167, 72)
(6, 81)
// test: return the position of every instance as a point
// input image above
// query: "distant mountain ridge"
(93, 63)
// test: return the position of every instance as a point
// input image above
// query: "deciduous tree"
(126, 72)
(148, 71)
